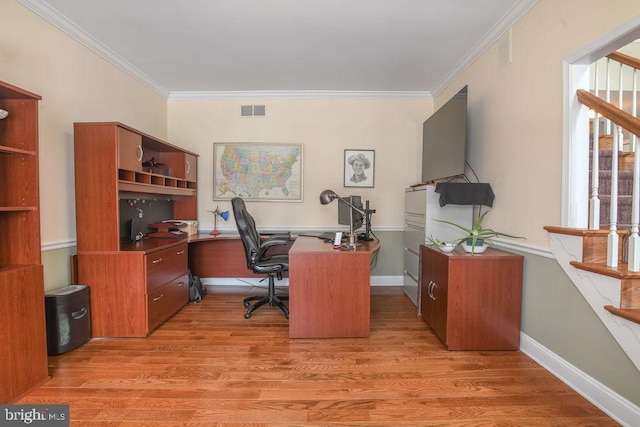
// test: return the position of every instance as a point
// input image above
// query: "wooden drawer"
(165, 265)
(166, 300)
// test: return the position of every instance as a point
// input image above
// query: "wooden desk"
(222, 255)
(329, 290)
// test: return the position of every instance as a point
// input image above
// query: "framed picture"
(359, 168)
(262, 172)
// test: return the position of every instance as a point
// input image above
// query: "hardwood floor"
(208, 366)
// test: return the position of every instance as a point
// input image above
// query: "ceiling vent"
(252, 110)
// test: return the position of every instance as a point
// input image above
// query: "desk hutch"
(134, 286)
(23, 359)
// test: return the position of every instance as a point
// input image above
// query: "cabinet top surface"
(150, 244)
(460, 253)
(8, 91)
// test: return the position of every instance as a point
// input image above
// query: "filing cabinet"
(421, 212)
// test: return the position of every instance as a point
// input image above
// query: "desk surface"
(329, 289)
(306, 244)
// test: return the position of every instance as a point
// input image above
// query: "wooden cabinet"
(472, 302)
(135, 286)
(23, 359)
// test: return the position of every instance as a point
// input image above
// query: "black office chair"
(258, 260)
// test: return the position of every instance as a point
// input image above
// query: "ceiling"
(286, 45)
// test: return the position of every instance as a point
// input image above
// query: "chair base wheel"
(272, 300)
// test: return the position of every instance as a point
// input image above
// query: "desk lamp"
(328, 196)
(216, 213)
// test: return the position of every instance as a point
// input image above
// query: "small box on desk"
(191, 227)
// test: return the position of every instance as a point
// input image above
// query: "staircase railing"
(617, 119)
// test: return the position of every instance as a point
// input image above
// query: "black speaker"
(135, 231)
(68, 318)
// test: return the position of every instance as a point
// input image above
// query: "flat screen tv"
(444, 138)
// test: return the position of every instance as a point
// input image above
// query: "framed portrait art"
(359, 168)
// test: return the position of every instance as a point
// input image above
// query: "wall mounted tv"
(444, 138)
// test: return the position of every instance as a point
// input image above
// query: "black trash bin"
(68, 318)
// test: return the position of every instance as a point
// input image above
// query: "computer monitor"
(349, 216)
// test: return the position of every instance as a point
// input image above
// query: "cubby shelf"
(18, 208)
(12, 150)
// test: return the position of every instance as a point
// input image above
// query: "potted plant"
(478, 235)
(444, 247)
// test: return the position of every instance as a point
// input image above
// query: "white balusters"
(612, 239)
(607, 94)
(594, 200)
(634, 239)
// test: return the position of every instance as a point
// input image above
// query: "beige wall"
(515, 109)
(75, 85)
(325, 127)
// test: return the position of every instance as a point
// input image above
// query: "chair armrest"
(271, 241)
(266, 244)
(279, 236)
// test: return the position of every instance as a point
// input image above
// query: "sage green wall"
(390, 258)
(57, 271)
(557, 316)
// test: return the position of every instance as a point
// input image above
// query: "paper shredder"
(68, 318)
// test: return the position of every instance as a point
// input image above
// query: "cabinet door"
(179, 164)
(434, 290)
(191, 167)
(129, 150)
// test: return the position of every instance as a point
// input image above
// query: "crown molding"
(284, 94)
(502, 26)
(51, 15)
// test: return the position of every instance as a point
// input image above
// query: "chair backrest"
(247, 229)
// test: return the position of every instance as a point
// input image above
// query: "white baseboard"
(260, 281)
(617, 407)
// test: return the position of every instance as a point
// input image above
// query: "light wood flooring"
(208, 366)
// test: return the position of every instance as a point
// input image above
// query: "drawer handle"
(180, 284)
(432, 286)
(156, 261)
(79, 314)
(179, 252)
(159, 297)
